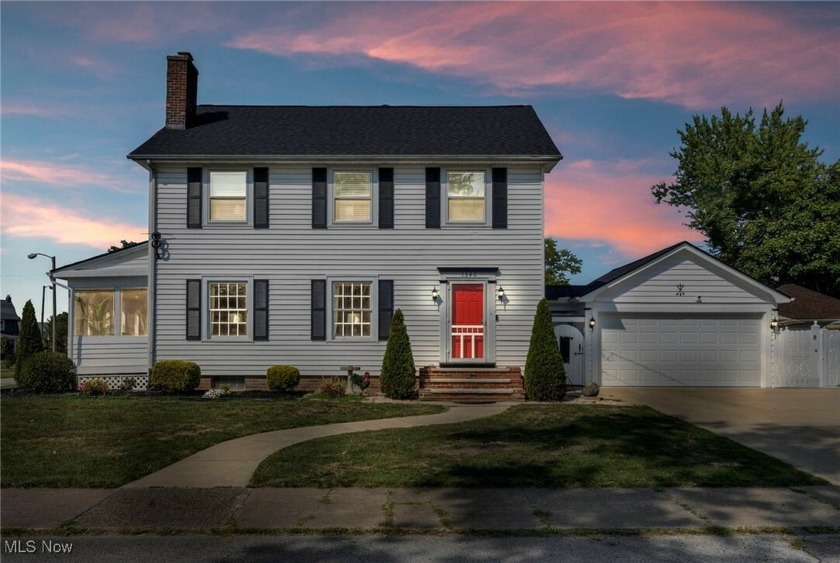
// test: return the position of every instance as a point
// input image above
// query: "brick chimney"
(181, 90)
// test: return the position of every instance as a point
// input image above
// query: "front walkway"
(232, 463)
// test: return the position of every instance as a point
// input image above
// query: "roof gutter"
(144, 160)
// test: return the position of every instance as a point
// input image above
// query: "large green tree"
(61, 334)
(762, 197)
(559, 263)
(30, 341)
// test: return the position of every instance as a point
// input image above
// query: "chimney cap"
(182, 55)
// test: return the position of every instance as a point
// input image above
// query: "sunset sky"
(83, 85)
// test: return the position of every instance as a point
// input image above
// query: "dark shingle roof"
(7, 310)
(251, 131)
(808, 305)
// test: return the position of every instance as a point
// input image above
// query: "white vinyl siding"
(290, 254)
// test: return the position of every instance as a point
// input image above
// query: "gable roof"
(125, 262)
(621, 273)
(7, 310)
(808, 305)
(361, 131)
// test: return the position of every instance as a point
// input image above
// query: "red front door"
(468, 321)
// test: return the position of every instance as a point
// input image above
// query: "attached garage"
(681, 350)
(676, 318)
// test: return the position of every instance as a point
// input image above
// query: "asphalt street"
(386, 549)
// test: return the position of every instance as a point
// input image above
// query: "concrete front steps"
(471, 384)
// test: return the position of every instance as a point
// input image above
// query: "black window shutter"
(319, 198)
(260, 198)
(386, 198)
(432, 198)
(193, 309)
(386, 307)
(194, 179)
(260, 309)
(500, 198)
(318, 310)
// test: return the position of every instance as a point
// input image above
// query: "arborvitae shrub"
(47, 372)
(175, 375)
(545, 376)
(282, 378)
(30, 340)
(397, 376)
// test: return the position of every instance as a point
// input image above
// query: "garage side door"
(676, 350)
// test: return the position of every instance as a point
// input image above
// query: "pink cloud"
(32, 217)
(56, 174)
(697, 55)
(620, 211)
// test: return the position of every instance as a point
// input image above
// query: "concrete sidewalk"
(233, 509)
(232, 463)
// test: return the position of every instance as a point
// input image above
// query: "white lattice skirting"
(115, 382)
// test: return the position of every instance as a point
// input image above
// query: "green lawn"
(73, 441)
(533, 446)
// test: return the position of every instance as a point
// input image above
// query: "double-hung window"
(133, 312)
(352, 309)
(228, 308)
(466, 197)
(352, 197)
(228, 196)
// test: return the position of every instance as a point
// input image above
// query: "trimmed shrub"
(30, 340)
(95, 387)
(545, 376)
(282, 378)
(175, 375)
(397, 376)
(47, 372)
(128, 384)
(333, 388)
(7, 352)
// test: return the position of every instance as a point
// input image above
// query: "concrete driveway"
(799, 426)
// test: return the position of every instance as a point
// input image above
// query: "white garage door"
(675, 350)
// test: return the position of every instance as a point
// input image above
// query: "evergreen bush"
(7, 352)
(545, 376)
(30, 340)
(397, 376)
(47, 372)
(282, 378)
(175, 375)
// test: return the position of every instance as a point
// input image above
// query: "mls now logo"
(31, 546)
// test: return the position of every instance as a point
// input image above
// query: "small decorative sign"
(680, 291)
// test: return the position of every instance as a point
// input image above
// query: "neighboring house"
(678, 317)
(808, 307)
(9, 319)
(290, 235)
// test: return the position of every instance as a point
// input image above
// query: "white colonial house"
(291, 234)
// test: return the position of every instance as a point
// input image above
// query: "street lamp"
(52, 279)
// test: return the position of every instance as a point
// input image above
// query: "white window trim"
(205, 307)
(374, 308)
(249, 198)
(444, 198)
(374, 199)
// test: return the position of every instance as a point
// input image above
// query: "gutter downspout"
(151, 286)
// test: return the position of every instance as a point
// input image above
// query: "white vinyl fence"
(806, 357)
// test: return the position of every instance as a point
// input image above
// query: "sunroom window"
(228, 195)
(352, 197)
(93, 312)
(133, 312)
(465, 196)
